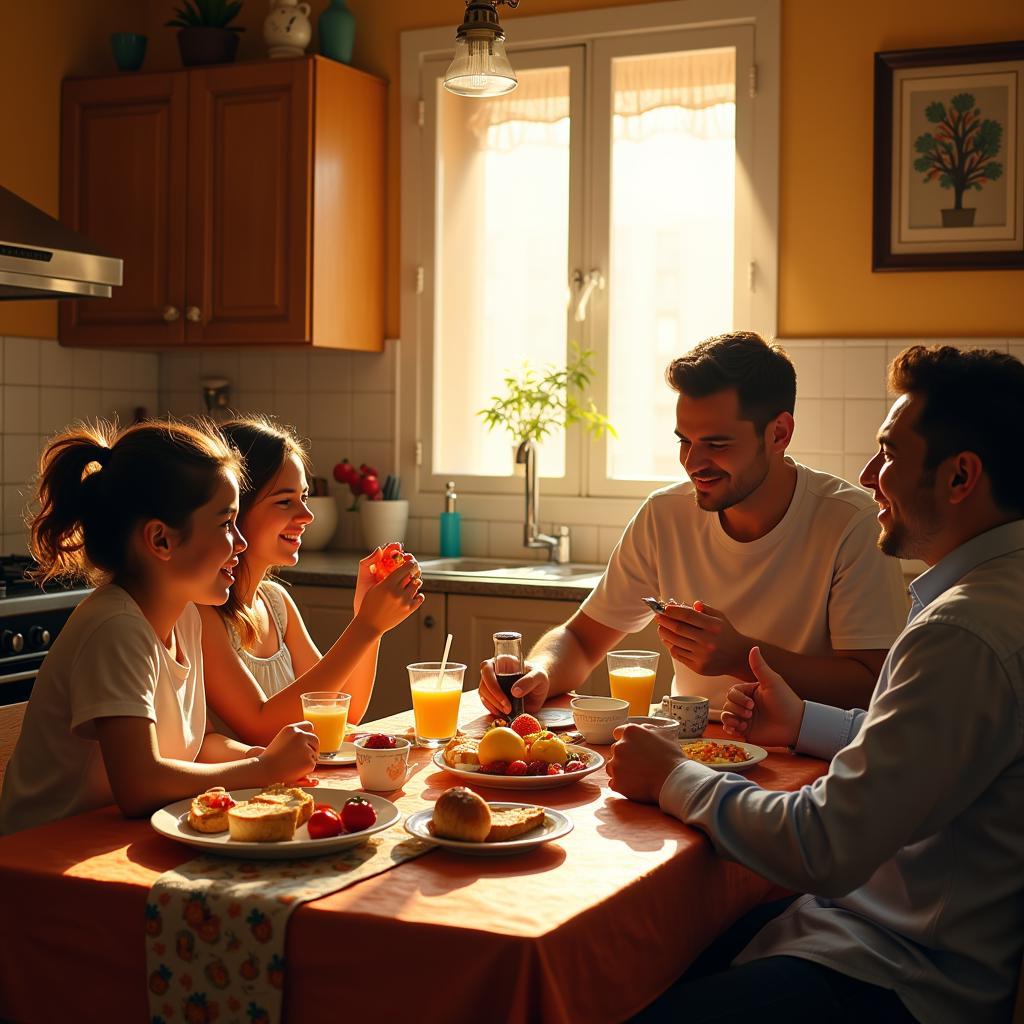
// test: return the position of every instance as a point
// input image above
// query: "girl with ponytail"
(118, 711)
(259, 656)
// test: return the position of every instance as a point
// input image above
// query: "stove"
(30, 619)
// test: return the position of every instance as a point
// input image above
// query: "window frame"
(595, 498)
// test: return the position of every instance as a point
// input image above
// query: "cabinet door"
(123, 185)
(249, 204)
(328, 610)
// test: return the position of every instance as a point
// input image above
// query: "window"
(625, 158)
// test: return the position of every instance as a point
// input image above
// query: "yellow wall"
(826, 284)
(42, 42)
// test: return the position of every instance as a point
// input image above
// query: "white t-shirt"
(815, 583)
(106, 662)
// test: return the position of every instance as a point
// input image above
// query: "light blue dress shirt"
(912, 845)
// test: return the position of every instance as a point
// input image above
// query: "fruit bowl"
(470, 773)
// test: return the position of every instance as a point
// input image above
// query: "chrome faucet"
(558, 547)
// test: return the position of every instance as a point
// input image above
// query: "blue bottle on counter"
(451, 524)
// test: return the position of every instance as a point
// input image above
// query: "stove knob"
(11, 643)
(39, 638)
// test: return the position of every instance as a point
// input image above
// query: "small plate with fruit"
(520, 756)
(462, 821)
(255, 823)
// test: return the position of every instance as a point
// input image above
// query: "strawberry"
(494, 768)
(380, 741)
(574, 766)
(555, 769)
(250, 968)
(158, 980)
(217, 973)
(525, 725)
(537, 768)
(357, 814)
(517, 768)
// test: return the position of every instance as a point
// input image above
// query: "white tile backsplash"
(45, 388)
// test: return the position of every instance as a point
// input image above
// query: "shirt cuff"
(824, 730)
(679, 788)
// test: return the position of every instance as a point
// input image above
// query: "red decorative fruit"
(517, 768)
(526, 725)
(358, 814)
(380, 741)
(324, 823)
(345, 472)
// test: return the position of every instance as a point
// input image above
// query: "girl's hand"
(291, 754)
(394, 599)
(364, 579)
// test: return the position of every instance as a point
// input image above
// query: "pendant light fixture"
(480, 67)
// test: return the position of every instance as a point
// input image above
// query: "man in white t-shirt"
(753, 549)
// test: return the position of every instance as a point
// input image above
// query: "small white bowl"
(668, 726)
(382, 768)
(597, 717)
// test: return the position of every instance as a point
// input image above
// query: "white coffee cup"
(597, 717)
(690, 712)
(662, 724)
(382, 768)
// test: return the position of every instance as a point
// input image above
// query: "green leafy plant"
(536, 402)
(207, 14)
(960, 151)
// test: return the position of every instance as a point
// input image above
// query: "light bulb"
(480, 67)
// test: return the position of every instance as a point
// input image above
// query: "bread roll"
(252, 822)
(461, 751)
(460, 814)
(204, 818)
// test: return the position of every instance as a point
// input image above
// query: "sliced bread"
(513, 821)
(288, 796)
(252, 822)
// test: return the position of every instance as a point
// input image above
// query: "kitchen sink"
(507, 569)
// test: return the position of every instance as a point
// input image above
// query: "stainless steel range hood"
(40, 258)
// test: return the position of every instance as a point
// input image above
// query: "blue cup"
(129, 50)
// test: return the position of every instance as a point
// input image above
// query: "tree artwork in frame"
(949, 158)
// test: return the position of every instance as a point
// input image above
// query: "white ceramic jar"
(287, 29)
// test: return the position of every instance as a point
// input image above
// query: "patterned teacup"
(690, 712)
(382, 768)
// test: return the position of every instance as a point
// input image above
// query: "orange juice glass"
(435, 701)
(631, 677)
(328, 713)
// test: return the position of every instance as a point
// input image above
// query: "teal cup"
(129, 50)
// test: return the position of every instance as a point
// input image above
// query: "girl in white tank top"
(259, 657)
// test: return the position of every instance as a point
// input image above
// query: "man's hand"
(642, 759)
(703, 639)
(767, 711)
(533, 686)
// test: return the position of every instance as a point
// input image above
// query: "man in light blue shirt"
(911, 848)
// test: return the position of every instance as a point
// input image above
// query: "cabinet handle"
(170, 314)
(428, 622)
(193, 314)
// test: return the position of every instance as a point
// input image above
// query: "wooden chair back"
(10, 728)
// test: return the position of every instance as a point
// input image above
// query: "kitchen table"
(589, 928)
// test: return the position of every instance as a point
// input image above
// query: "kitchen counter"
(338, 569)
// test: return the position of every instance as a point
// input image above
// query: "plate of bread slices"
(272, 823)
(464, 822)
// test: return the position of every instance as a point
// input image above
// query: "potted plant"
(536, 402)
(205, 35)
(384, 514)
(959, 153)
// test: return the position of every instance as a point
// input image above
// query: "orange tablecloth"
(590, 928)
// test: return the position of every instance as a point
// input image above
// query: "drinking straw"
(444, 660)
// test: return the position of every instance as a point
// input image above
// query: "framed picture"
(949, 158)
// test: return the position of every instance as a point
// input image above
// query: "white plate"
(346, 756)
(172, 821)
(591, 758)
(555, 718)
(554, 826)
(756, 753)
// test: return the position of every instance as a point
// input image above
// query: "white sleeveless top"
(275, 672)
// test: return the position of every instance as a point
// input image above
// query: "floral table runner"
(215, 927)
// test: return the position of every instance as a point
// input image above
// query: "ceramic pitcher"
(287, 29)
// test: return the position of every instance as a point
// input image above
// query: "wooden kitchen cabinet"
(328, 610)
(246, 200)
